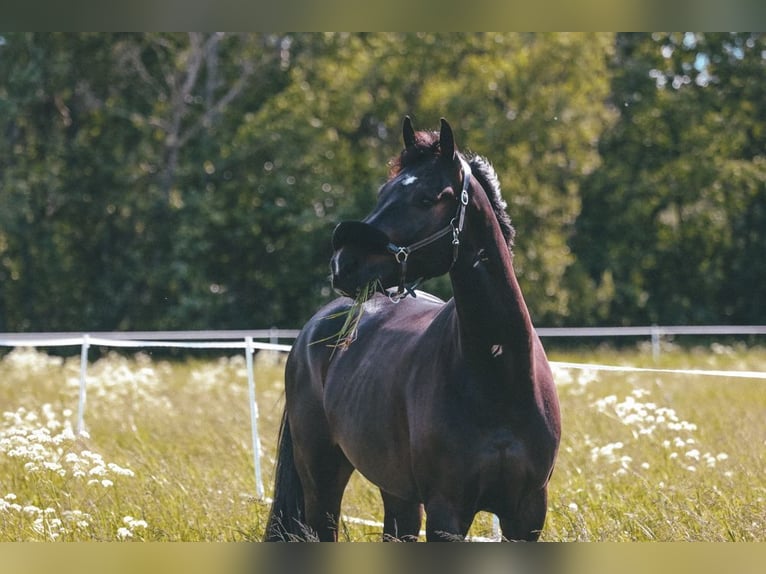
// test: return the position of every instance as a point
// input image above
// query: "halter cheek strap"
(402, 253)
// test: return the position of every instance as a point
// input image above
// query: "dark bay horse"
(448, 406)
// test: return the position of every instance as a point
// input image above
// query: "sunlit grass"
(661, 456)
(167, 455)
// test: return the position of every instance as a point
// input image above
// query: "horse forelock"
(426, 147)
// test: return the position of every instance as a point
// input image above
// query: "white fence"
(246, 341)
(655, 332)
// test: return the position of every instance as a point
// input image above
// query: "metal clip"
(455, 233)
(401, 255)
(395, 297)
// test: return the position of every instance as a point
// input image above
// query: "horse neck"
(492, 314)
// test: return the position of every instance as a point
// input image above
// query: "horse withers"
(448, 406)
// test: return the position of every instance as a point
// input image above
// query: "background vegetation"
(179, 181)
(168, 455)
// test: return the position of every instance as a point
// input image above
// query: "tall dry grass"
(167, 453)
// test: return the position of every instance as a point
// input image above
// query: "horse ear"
(447, 141)
(408, 133)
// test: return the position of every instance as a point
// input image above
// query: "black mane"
(427, 147)
(485, 173)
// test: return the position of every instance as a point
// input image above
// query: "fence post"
(656, 343)
(249, 350)
(83, 377)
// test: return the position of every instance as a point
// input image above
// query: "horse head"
(413, 231)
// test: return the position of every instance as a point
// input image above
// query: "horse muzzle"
(360, 256)
(360, 234)
(356, 241)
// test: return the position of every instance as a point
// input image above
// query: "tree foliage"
(678, 204)
(170, 181)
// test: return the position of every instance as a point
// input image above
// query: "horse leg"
(402, 518)
(324, 476)
(445, 522)
(527, 522)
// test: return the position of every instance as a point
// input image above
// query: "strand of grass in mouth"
(347, 333)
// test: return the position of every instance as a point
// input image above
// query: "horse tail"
(287, 515)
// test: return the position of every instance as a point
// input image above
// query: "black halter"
(455, 227)
(374, 238)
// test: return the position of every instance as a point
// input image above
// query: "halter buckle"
(401, 255)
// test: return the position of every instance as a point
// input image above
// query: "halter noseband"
(402, 253)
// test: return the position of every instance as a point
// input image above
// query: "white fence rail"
(164, 339)
(246, 341)
(655, 332)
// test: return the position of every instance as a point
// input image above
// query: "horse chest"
(503, 470)
(501, 454)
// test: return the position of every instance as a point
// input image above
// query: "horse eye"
(427, 201)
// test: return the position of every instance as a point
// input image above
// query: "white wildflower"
(134, 523)
(117, 469)
(606, 451)
(694, 453)
(38, 526)
(124, 533)
(98, 470)
(52, 466)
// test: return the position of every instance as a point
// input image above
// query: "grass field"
(167, 453)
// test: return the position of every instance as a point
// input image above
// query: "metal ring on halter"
(395, 296)
(401, 254)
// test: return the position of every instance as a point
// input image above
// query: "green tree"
(673, 219)
(110, 138)
(535, 105)
(192, 180)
